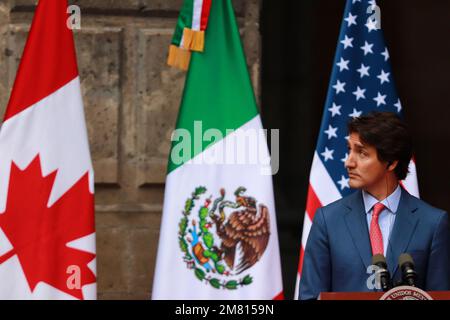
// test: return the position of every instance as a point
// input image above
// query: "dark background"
(299, 43)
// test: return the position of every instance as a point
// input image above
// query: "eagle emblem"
(225, 238)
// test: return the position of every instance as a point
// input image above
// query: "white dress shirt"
(386, 218)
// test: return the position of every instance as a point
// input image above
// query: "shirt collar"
(391, 202)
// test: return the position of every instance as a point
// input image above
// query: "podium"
(435, 295)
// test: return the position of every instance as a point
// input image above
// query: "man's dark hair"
(389, 135)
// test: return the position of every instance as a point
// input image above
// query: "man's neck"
(382, 192)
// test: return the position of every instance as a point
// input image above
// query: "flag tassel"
(193, 39)
(179, 57)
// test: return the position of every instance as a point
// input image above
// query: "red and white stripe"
(201, 14)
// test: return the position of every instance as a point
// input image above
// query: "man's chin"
(355, 184)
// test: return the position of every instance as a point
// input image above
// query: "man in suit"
(379, 218)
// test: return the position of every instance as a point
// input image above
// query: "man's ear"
(392, 165)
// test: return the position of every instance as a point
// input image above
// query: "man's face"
(364, 169)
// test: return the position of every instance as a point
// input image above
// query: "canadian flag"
(47, 230)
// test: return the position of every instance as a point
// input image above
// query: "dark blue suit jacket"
(338, 249)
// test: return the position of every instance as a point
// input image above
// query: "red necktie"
(376, 238)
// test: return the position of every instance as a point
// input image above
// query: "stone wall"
(131, 101)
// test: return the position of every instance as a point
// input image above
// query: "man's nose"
(350, 162)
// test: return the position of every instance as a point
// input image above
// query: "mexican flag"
(47, 231)
(218, 236)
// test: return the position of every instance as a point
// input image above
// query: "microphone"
(383, 274)
(406, 264)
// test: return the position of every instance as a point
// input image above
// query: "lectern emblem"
(406, 293)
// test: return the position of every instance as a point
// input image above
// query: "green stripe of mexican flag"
(218, 236)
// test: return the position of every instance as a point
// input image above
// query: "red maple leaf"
(39, 235)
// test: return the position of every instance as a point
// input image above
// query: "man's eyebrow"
(357, 145)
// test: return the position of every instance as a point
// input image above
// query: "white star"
(345, 157)
(354, 1)
(335, 110)
(367, 48)
(351, 19)
(384, 76)
(371, 24)
(359, 93)
(385, 54)
(355, 113)
(331, 132)
(328, 154)
(398, 105)
(344, 183)
(380, 99)
(347, 137)
(363, 71)
(343, 64)
(347, 42)
(339, 87)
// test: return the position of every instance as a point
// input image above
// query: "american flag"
(361, 82)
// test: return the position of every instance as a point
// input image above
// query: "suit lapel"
(356, 221)
(404, 226)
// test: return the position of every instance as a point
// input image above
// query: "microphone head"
(405, 258)
(379, 259)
